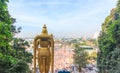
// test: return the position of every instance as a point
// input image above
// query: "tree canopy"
(109, 42)
(13, 57)
(80, 56)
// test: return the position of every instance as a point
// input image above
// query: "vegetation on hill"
(13, 57)
(109, 43)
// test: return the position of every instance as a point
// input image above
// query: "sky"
(63, 18)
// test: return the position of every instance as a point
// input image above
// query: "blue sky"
(64, 18)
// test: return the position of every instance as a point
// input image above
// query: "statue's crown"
(44, 30)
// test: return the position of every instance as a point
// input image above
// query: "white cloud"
(73, 20)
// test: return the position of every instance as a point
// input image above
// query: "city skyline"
(63, 18)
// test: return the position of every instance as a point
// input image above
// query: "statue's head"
(44, 40)
(44, 30)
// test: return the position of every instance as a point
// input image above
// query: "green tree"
(113, 63)
(19, 45)
(6, 60)
(80, 57)
(93, 55)
(10, 61)
(109, 42)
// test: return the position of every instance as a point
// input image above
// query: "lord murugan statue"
(44, 51)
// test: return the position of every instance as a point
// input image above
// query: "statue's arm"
(35, 48)
(52, 53)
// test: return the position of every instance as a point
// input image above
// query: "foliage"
(108, 41)
(20, 67)
(93, 55)
(19, 46)
(5, 25)
(114, 61)
(80, 56)
(13, 57)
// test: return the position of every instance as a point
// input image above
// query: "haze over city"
(64, 18)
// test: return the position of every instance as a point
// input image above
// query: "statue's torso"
(44, 52)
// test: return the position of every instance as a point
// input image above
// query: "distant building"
(88, 49)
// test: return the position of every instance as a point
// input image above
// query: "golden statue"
(44, 44)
